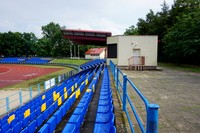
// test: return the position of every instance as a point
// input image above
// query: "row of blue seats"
(37, 60)
(32, 110)
(105, 117)
(51, 124)
(13, 60)
(77, 118)
(34, 60)
(92, 63)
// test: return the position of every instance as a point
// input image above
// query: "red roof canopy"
(87, 37)
(94, 51)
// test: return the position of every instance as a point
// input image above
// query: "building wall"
(88, 56)
(126, 45)
(102, 55)
(112, 39)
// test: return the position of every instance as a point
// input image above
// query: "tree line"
(52, 44)
(178, 30)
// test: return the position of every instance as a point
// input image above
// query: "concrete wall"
(126, 44)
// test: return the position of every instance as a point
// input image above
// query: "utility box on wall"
(133, 50)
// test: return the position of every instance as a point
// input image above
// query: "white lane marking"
(10, 69)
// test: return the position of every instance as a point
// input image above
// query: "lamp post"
(74, 51)
(78, 52)
(71, 49)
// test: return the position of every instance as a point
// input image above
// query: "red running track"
(11, 74)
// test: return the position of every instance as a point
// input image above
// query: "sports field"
(11, 73)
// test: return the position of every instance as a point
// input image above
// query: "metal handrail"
(151, 109)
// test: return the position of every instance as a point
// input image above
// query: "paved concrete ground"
(176, 92)
(13, 99)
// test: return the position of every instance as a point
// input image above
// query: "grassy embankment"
(70, 61)
(189, 68)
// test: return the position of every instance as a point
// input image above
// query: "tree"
(29, 44)
(56, 45)
(11, 44)
(131, 31)
(149, 25)
(43, 47)
(183, 39)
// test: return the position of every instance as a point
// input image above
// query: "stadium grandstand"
(70, 107)
(45, 112)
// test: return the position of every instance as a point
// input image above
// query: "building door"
(136, 56)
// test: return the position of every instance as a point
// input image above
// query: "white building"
(133, 51)
(96, 53)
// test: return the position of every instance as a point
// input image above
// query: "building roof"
(87, 37)
(93, 51)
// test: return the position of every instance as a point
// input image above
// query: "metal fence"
(121, 82)
(18, 98)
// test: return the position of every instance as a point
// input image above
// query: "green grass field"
(70, 61)
(190, 68)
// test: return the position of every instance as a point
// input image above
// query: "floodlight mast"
(71, 49)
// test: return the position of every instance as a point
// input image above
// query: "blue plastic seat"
(105, 109)
(46, 114)
(105, 97)
(38, 111)
(55, 105)
(105, 102)
(32, 127)
(104, 117)
(104, 128)
(17, 128)
(25, 130)
(5, 128)
(44, 129)
(32, 116)
(103, 93)
(51, 109)
(39, 120)
(52, 124)
(25, 121)
(58, 115)
(80, 105)
(5, 118)
(4, 122)
(66, 107)
(9, 131)
(62, 109)
(48, 102)
(32, 108)
(75, 119)
(17, 112)
(79, 111)
(13, 123)
(70, 128)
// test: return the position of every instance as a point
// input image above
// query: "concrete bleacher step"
(89, 121)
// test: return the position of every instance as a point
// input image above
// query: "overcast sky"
(105, 15)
